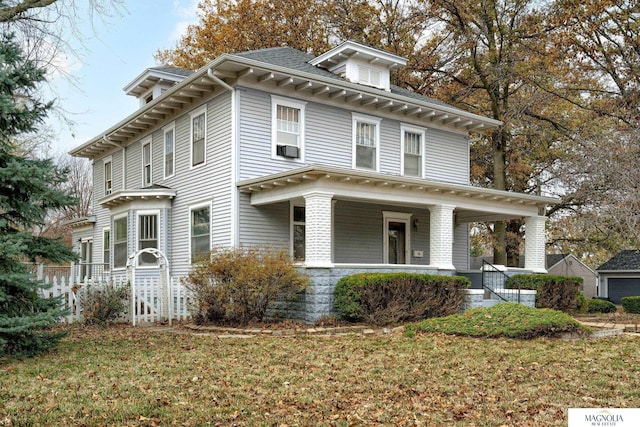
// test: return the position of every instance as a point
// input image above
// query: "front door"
(396, 237)
(397, 242)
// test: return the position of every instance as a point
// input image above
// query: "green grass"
(502, 320)
(137, 377)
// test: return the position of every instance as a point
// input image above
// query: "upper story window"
(108, 183)
(366, 142)
(198, 136)
(287, 128)
(147, 176)
(169, 150)
(412, 151)
(200, 230)
(368, 76)
(147, 237)
(120, 241)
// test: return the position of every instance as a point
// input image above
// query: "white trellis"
(165, 306)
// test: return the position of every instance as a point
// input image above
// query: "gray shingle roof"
(623, 260)
(553, 259)
(173, 70)
(298, 60)
(289, 58)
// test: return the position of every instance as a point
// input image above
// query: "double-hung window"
(287, 128)
(412, 151)
(169, 150)
(147, 176)
(366, 142)
(147, 236)
(198, 136)
(200, 230)
(120, 242)
(108, 182)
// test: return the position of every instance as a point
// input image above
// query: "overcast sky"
(114, 53)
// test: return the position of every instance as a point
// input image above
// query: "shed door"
(619, 288)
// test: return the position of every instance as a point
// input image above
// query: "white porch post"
(317, 251)
(441, 237)
(534, 244)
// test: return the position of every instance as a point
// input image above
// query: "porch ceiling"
(473, 204)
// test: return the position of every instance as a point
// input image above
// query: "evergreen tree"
(28, 189)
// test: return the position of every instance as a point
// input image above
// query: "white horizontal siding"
(446, 157)
(263, 225)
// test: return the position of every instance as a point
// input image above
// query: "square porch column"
(535, 244)
(441, 237)
(317, 252)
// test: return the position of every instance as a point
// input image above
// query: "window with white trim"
(169, 150)
(147, 237)
(298, 225)
(120, 255)
(147, 176)
(366, 141)
(198, 137)
(108, 180)
(200, 230)
(412, 151)
(287, 128)
(106, 248)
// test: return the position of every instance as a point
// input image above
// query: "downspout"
(234, 214)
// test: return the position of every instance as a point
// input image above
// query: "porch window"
(120, 242)
(106, 248)
(108, 183)
(298, 228)
(366, 137)
(200, 231)
(147, 238)
(287, 128)
(412, 142)
(86, 258)
(169, 159)
(198, 137)
(146, 164)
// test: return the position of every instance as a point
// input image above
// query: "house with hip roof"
(320, 155)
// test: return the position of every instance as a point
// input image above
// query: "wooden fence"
(144, 305)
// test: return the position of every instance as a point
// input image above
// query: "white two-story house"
(320, 155)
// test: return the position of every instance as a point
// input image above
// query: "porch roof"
(151, 193)
(473, 204)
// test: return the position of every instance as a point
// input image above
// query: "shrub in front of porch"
(555, 292)
(237, 286)
(387, 298)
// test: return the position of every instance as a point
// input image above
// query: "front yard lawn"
(140, 377)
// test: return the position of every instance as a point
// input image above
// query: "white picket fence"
(145, 304)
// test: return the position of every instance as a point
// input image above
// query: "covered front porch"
(348, 221)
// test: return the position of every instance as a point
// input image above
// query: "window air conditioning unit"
(290, 151)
